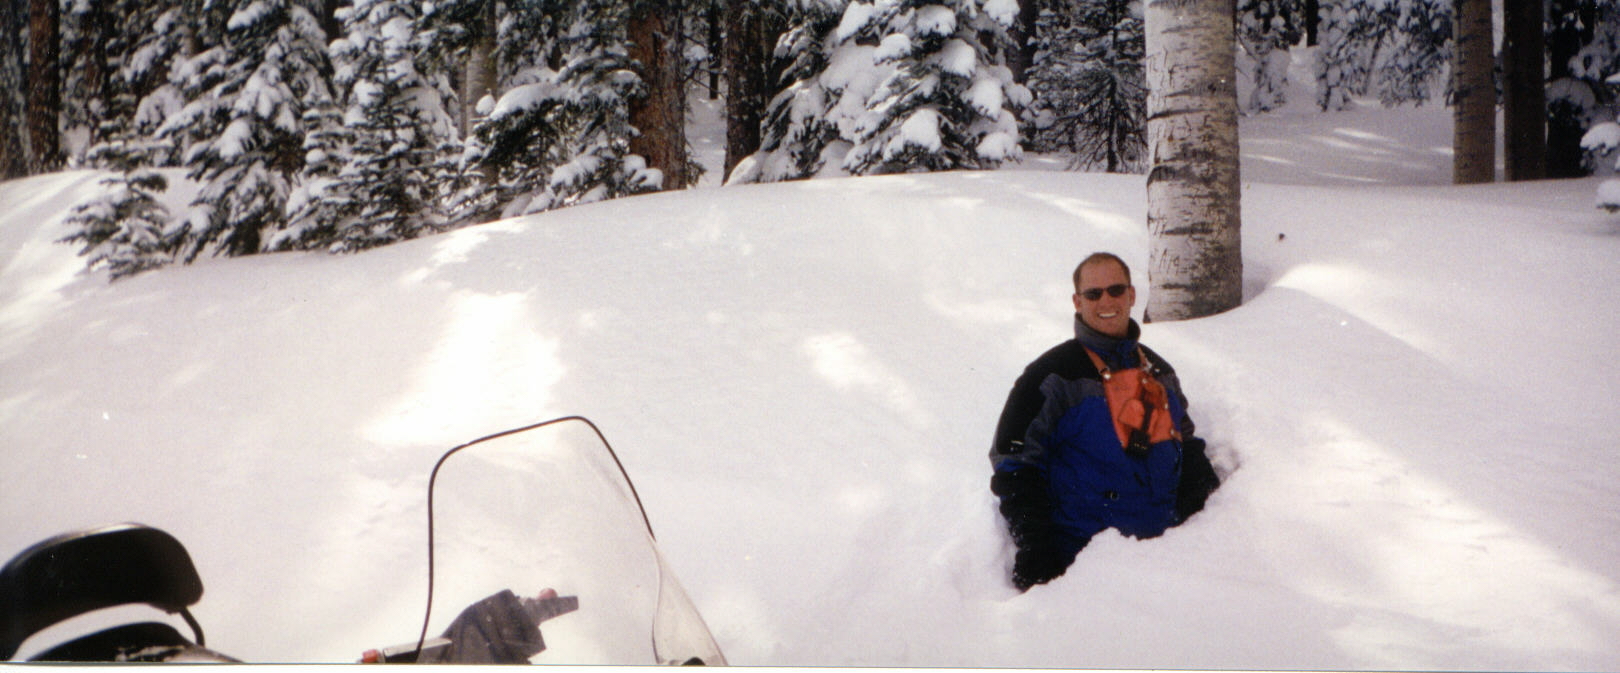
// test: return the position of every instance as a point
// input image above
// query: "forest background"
(338, 125)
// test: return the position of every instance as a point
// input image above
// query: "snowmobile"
(544, 503)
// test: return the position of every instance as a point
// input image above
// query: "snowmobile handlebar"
(501, 629)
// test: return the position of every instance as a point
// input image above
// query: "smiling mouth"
(1106, 316)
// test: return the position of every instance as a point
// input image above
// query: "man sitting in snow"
(1095, 435)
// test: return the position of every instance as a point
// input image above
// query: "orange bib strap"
(1138, 403)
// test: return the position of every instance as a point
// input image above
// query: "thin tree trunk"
(330, 25)
(1524, 107)
(750, 40)
(13, 110)
(86, 71)
(44, 85)
(1022, 57)
(659, 116)
(1195, 260)
(1474, 129)
(716, 47)
(479, 78)
(1313, 19)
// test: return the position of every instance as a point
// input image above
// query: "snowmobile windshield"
(551, 508)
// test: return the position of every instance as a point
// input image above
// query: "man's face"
(1097, 306)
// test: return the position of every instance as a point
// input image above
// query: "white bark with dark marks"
(1195, 263)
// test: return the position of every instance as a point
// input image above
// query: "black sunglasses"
(1096, 293)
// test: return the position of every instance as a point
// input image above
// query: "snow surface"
(1411, 410)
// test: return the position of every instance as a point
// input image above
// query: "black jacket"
(1059, 468)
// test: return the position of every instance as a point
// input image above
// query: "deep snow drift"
(1412, 410)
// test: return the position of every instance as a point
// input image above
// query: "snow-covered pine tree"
(949, 101)
(1579, 39)
(527, 36)
(1572, 99)
(262, 64)
(166, 39)
(557, 137)
(1349, 33)
(1595, 71)
(96, 103)
(1050, 47)
(511, 148)
(115, 56)
(371, 177)
(594, 88)
(1421, 47)
(1087, 79)
(1601, 141)
(450, 31)
(1266, 30)
(1396, 48)
(126, 226)
(1598, 59)
(313, 207)
(799, 135)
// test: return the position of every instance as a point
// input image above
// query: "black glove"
(1026, 506)
(1198, 479)
(1038, 566)
(1028, 509)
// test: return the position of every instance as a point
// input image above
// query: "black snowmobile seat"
(75, 573)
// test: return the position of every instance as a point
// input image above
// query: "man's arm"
(1027, 508)
(1020, 481)
(1198, 478)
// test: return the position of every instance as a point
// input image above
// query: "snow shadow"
(1434, 532)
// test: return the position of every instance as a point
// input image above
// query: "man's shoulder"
(1159, 363)
(1067, 360)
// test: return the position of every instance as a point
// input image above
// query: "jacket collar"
(1116, 352)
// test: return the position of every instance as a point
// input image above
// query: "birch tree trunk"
(1473, 142)
(1195, 261)
(479, 80)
